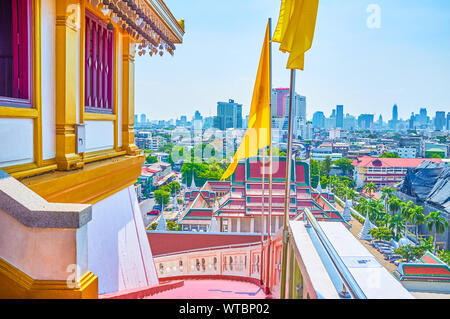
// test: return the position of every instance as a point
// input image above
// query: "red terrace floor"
(213, 289)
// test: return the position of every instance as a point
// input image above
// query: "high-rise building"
(197, 116)
(136, 118)
(395, 113)
(339, 116)
(318, 120)
(380, 121)
(439, 121)
(365, 121)
(423, 117)
(143, 118)
(394, 122)
(412, 121)
(229, 115)
(279, 99)
(448, 121)
(350, 122)
(280, 104)
(299, 107)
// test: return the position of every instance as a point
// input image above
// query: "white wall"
(99, 135)
(48, 33)
(16, 141)
(118, 249)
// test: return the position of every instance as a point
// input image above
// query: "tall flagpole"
(262, 215)
(287, 188)
(269, 221)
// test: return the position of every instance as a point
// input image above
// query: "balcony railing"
(242, 260)
(347, 278)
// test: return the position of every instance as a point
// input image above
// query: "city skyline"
(368, 69)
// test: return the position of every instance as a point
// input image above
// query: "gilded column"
(129, 51)
(67, 47)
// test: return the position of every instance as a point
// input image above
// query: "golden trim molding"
(16, 284)
(94, 182)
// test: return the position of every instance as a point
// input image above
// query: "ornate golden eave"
(148, 22)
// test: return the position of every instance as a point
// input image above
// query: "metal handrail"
(346, 276)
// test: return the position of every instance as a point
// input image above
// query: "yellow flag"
(295, 29)
(257, 135)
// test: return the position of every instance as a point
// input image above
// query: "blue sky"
(406, 61)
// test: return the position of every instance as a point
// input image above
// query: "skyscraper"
(439, 121)
(365, 121)
(340, 116)
(143, 118)
(318, 120)
(279, 98)
(394, 122)
(197, 116)
(395, 113)
(423, 118)
(448, 121)
(280, 104)
(229, 115)
(412, 120)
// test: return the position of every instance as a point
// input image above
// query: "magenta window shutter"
(99, 59)
(16, 53)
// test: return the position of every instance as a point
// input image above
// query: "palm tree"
(417, 218)
(376, 211)
(386, 194)
(406, 211)
(396, 224)
(362, 206)
(437, 224)
(394, 204)
(351, 194)
(370, 188)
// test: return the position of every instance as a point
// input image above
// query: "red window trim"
(99, 81)
(26, 62)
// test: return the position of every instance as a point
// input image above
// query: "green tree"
(151, 159)
(315, 172)
(172, 226)
(444, 255)
(436, 224)
(406, 211)
(376, 211)
(397, 225)
(394, 204)
(345, 165)
(162, 197)
(390, 155)
(326, 166)
(417, 218)
(437, 155)
(370, 188)
(351, 194)
(409, 253)
(381, 233)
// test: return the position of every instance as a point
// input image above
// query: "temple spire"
(364, 234)
(347, 215)
(193, 186)
(162, 223)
